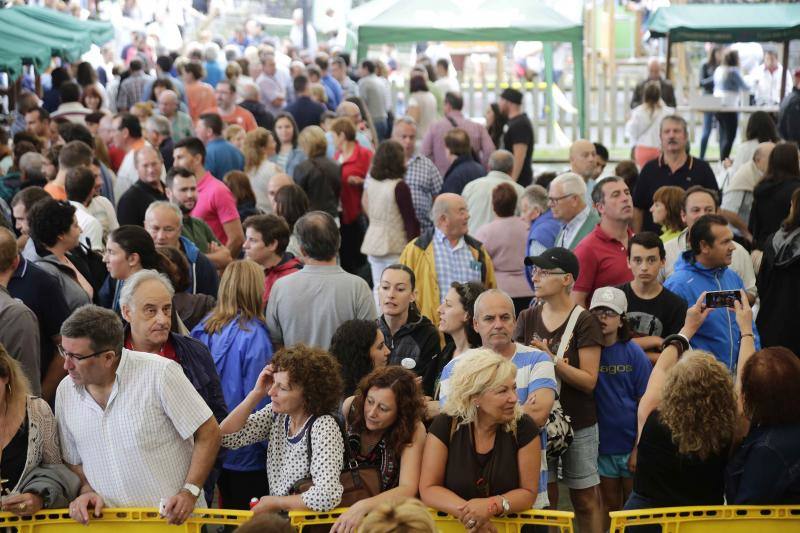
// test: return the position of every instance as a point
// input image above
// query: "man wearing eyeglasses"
(132, 426)
(567, 201)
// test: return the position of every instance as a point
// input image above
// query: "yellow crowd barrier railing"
(561, 521)
(127, 520)
(712, 519)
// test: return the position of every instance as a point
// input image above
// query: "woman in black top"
(482, 455)
(707, 84)
(318, 176)
(772, 196)
(385, 431)
(687, 418)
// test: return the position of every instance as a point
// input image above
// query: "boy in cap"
(518, 137)
(624, 371)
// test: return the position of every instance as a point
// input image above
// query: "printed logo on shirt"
(616, 369)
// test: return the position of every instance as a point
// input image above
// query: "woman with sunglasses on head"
(545, 327)
(622, 381)
(482, 455)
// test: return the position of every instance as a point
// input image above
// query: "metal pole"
(306, 15)
(669, 55)
(785, 68)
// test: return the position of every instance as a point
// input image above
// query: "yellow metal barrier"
(129, 520)
(561, 521)
(712, 519)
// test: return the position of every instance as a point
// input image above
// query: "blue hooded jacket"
(203, 276)
(719, 334)
(544, 230)
(240, 353)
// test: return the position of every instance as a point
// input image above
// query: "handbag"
(559, 424)
(358, 482)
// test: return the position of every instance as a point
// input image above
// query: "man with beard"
(181, 189)
(673, 167)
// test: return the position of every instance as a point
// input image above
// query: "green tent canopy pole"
(548, 78)
(577, 84)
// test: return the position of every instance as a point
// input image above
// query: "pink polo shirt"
(215, 204)
(603, 262)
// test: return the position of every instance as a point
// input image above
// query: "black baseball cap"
(556, 258)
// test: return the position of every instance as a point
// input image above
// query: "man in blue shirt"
(221, 156)
(306, 112)
(332, 87)
(536, 380)
(705, 268)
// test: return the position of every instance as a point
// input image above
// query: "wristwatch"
(194, 490)
(506, 505)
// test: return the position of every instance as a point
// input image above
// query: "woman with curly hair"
(385, 430)
(304, 387)
(686, 420)
(482, 456)
(666, 210)
(55, 234)
(359, 346)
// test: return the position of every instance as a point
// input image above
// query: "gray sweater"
(310, 305)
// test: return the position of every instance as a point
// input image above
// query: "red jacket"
(289, 265)
(357, 165)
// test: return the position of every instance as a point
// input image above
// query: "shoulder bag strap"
(566, 337)
(308, 441)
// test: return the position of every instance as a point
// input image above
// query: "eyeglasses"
(552, 200)
(536, 271)
(604, 313)
(76, 356)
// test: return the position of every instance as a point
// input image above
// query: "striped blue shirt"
(535, 370)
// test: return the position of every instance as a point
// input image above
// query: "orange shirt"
(56, 191)
(201, 99)
(241, 117)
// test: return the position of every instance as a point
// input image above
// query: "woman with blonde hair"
(236, 334)
(405, 516)
(686, 420)
(259, 147)
(644, 126)
(235, 135)
(482, 455)
(29, 440)
(666, 210)
(318, 176)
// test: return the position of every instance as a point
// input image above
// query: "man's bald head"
(761, 155)
(276, 182)
(583, 158)
(9, 253)
(168, 95)
(349, 110)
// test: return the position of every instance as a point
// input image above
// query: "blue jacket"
(222, 157)
(202, 274)
(198, 366)
(544, 230)
(334, 91)
(296, 156)
(719, 334)
(239, 354)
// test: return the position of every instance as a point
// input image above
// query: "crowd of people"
(239, 289)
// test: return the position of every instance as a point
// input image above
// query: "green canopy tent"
(18, 30)
(728, 23)
(14, 56)
(100, 32)
(406, 21)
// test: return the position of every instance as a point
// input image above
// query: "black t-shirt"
(14, 456)
(133, 204)
(667, 478)
(579, 405)
(499, 468)
(656, 174)
(660, 316)
(520, 131)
